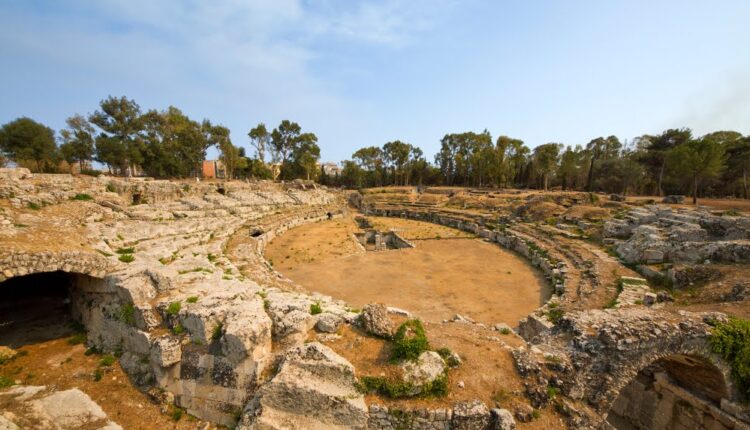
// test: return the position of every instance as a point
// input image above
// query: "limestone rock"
(673, 199)
(375, 320)
(502, 419)
(471, 416)
(6, 424)
(328, 323)
(426, 369)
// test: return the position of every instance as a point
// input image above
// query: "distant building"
(331, 169)
(213, 169)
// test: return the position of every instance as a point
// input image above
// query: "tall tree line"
(672, 162)
(164, 144)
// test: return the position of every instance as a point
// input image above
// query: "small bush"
(410, 341)
(126, 258)
(108, 360)
(98, 374)
(111, 188)
(82, 197)
(399, 389)
(174, 308)
(176, 413)
(555, 315)
(731, 340)
(505, 330)
(449, 357)
(315, 308)
(552, 392)
(34, 206)
(178, 330)
(611, 304)
(125, 250)
(192, 299)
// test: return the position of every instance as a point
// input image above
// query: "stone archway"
(675, 391)
(42, 306)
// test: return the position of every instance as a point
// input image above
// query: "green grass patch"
(399, 389)
(5, 382)
(731, 340)
(125, 250)
(448, 356)
(178, 330)
(34, 206)
(555, 315)
(126, 258)
(107, 360)
(127, 314)
(111, 188)
(98, 375)
(82, 197)
(192, 299)
(77, 339)
(174, 308)
(315, 308)
(217, 331)
(410, 341)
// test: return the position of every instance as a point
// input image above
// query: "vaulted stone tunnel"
(41, 306)
(676, 391)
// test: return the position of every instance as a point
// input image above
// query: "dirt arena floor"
(448, 273)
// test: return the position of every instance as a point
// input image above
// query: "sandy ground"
(436, 280)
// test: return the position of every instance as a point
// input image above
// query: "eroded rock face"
(375, 320)
(314, 388)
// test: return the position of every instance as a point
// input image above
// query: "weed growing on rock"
(77, 339)
(192, 299)
(399, 389)
(555, 315)
(216, 333)
(82, 197)
(107, 360)
(125, 250)
(126, 258)
(5, 382)
(111, 188)
(315, 308)
(410, 341)
(34, 206)
(731, 340)
(174, 308)
(127, 314)
(450, 358)
(178, 330)
(98, 374)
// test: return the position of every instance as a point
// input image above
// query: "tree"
(218, 135)
(397, 155)
(119, 144)
(284, 140)
(25, 140)
(78, 141)
(259, 138)
(601, 148)
(738, 163)
(351, 175)
(569, 168)
(173, 144)
(657, 151)
(306, 155)
(505, 146)
(371, 160)
(701, 159)
(545, 161)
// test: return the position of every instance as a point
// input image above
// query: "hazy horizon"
(363, 73)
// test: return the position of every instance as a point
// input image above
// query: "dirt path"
(435, 280)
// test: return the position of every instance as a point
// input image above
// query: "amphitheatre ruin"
(130, 303)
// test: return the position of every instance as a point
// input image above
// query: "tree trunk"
(545, 181)
(744, 183)
(661, 175)
(590, 182)
(695, 190)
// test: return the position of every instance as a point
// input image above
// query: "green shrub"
(174, 308)
(449, 357)
(107, 360)
(315, 308)
(410, 341)
(555, 315)
(731, 340)
(126, 258)
(192, 299)
(176, 413)
(34, 206)
(98, 374)
(82, 197)
(399, 389)
(178, 330)
(611, 304)
(552, 392)
(505, 330)
(5, 382)
(125, 250)
(111, 188)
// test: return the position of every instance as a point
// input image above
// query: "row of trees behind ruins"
(672, 162)
(162, 144)
(168, 144)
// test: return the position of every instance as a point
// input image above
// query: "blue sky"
(360, 73)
